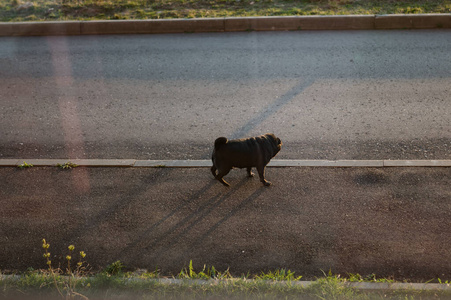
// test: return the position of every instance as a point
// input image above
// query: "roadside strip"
(356, 285)
(367, 286)
(327, 22)
(207, 163)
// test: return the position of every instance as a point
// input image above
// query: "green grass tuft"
(67, 165)
(24, 165)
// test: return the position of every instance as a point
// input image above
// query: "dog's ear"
(220, 141)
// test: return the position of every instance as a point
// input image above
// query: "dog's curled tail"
(219, 142)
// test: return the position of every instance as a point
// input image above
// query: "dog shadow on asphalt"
(210, 231)
(157, 241)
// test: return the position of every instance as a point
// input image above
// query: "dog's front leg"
(261, 173)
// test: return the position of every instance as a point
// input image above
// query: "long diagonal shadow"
(198, 241)
(155, 225)
(104, 214)
(272, 108)
(200, 213)
(197, 216)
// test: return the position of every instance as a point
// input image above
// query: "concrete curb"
(281, 163)
(78, 162)
(356, 285)
(382, 286)
(400, 286)
(330, 22)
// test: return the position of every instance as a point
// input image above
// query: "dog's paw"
(266, 183)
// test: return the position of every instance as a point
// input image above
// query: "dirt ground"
(392, 222)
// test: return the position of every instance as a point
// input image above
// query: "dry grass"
(22, 10)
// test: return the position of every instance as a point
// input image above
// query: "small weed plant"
(66, 285)
(66, 166)
(115, 268)
(331, 287)
(24, 165)
(279, 275)
(369, 278)
(206, 273)
(443, 281)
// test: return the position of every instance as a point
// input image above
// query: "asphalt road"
(326, 94)
(390, 222)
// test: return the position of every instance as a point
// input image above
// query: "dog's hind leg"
(213, 170)
(249, 172)
(261, 173)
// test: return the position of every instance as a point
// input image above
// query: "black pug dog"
(244, 153)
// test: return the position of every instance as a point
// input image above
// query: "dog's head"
(275, 142)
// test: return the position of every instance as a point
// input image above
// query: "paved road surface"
(390, 221)
(327, 94)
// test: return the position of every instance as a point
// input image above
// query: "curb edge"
(277, 163)
(227, 24)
